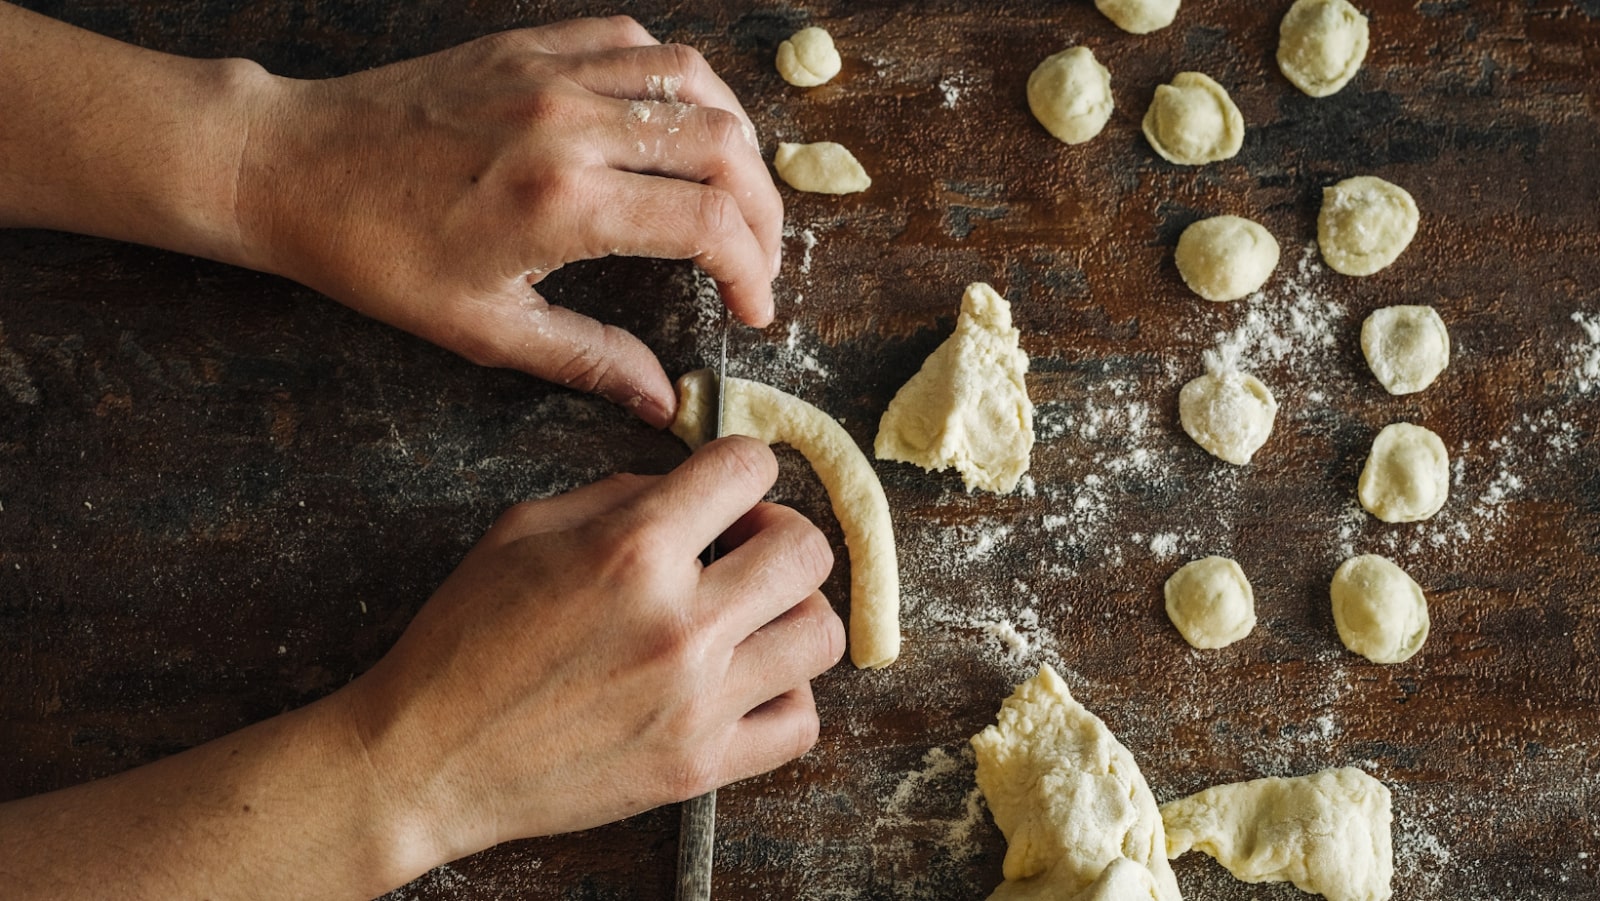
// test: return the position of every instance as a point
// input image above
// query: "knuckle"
(628, 29)
(725, 131)
(687, 62)
(813, 552)
(807, 728)
(718, 214)
(586, 370)
(750, 462)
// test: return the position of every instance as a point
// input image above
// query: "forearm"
(287, 808)
(104, 138)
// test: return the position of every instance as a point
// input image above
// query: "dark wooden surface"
(222, 496)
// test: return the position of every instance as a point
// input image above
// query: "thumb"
(571, 349)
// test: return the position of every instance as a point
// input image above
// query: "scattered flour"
(808, 243)
(953, 85)
(1585, 354)
(1286, 322)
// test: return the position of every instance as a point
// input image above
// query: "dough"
(1364, 225)
(1074, 809)
(1228, 413)
(808, 58)
(1193, 121)
(1070, 95)
(1211, 603)
(1139, 16)
(1328, 832)
(760, 411)
(1407, 476)
(821, 168)
(1321, 44)
(968, 406)
(1380, 612)
(1226, 257)
(1407, 347)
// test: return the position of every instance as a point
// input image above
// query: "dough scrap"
(1228, 413)
(968, 406)
(1193, 121)
(1226, 257)
(1379, 610)
(1328, 833)
(1407, 474)
(1406, 346)
(1070, 95)
(761, 411)
(1364, 224)
(1321, 44)
(1139, 16)
(808, 58)
(1211, 602)
(820, 168)
(1072, 804)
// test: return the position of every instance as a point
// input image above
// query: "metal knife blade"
(698, 824)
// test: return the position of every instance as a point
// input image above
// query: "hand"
(582, 666)
(434, 194)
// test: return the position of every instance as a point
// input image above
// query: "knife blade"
(698, 821)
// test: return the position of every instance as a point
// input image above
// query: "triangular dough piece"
(968, 406)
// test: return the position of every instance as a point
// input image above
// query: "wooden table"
(223, 496)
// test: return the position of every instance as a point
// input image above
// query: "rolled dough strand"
(763, 412)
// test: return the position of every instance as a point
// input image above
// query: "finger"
(773, 734)
(784, 560)
(564, 511)
(589, 35)
(801, 644)
(701, 144)
(668, 218)
(569, 348)
(643, 74)
(690, 506)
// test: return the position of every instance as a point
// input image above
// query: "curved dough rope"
(763, 412)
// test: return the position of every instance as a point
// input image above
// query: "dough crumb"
(1328, 833)
(1321, 44)
(1228, 413)
(808, 58)
(1380, 611)
(968, 406)
(1139, 16)
(1226, 257)
(1364, 224)
(1079, 819)
(1211, 602)
(1407, 475)
(1193, 121)
(820, 168)
(1070, 94)
(1407, 347)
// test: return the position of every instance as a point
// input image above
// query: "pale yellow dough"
(808, 58)
(1211, 602)
(1407, 474)
(1407, 347)
(1228, 413)
(1139, 16)
(1379, 610)
(820, 168)
(1226, 257)
(1364, 224)
(1070, 94)
(1328, 833)
(1079, 820)
(760, 411)
(1321, 44)
(1193, 121)
(968, 406)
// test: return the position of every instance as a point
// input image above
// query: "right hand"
(582, 665)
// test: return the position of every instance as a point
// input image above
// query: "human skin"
(581, 665)
(433, 194)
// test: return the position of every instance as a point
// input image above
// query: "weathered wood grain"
(222, 496)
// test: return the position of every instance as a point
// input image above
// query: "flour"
(1585, 355)
(1287, 322)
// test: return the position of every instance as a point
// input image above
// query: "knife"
(698, 823)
